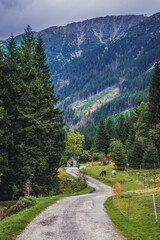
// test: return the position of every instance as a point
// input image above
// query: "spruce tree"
(101, 137)
(11, 103)
(5, 135)
(120, 131)
(51, 117)
(154, 96)
(109, 130)
(119, 156)
(150, 158)
(136, 153)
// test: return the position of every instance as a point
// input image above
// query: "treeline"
(135, 139)
(132, 139)
(126, 62)
(31, 127)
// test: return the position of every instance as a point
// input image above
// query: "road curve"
(80, 217)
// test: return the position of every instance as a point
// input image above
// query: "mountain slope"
(88, 57)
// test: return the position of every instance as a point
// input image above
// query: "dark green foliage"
(154, 135)
(135, 154)
(154, 96)
(109, 130)
(150, 158)
(33, 126)
(88, 142)
(119, 156)
(139, 132)
(21, 204)
(122, 129)
(101, 138)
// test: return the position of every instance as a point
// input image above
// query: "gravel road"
(74, 218)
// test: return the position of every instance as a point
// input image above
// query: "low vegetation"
(96, 101)
(22, 212)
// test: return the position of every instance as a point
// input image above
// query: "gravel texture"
(80, 217)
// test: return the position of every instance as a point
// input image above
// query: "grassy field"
(12, 226)
(132, 214)
(90, 104)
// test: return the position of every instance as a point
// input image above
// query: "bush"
(71, 186)
(21, 204)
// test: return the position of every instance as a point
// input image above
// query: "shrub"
(21, 204)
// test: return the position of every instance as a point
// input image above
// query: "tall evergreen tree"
(121, 129)
(154, 96)
(109, 129)
(119, 156)
(5, 135)
(11, 104)
(101, 138)
(150, 158)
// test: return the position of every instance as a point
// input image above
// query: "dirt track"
(74, 218)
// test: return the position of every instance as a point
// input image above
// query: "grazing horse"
(103, 173)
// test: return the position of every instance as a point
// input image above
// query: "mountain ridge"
(89, 56)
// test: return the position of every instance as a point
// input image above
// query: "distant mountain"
(99, 66)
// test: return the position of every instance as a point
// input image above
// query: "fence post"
(154, 181)
(154, 207)
(129, 208)
(118, 201)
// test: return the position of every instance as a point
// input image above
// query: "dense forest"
(134, 139)
(33, 141)
(126, 62)
(32, 128)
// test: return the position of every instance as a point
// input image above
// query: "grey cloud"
(15, 15)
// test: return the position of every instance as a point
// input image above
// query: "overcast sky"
(15, 15)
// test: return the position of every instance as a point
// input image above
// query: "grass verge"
(12, 226)
(142, 219)
(140, 208)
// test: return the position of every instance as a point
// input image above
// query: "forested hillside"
(88, 57)
(75, 56)
(133, 139)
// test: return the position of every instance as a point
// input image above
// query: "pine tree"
(154, 135)
(150, 158)
(5, 135)
(119, 156)
(120, 131)
(135, 113)
(136, 153)
(51, 117)
(109, 130)
(11, 103)
(154, 96)
(101, 138)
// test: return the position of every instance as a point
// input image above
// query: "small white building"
(72, 163)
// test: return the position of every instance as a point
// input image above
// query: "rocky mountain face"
(100, 66)
(65, 44)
